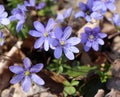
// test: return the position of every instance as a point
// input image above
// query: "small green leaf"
(74, 83)
(66, 83)
(70, 90)
(65, 94)
(60, 69)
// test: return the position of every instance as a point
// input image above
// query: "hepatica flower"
(92, 38)
(64, 43)
(2, 39)
(18, 14)
(32, 3)
(104, 5)
(3, 16)
(87, 12)
(62, 17)
(27, 74)
(115, 19)
(43, 33)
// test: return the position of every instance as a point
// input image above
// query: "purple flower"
(2, 39)
(115, 19)
(44, 34)
(3, 16)
(41, 5)
(26, 74)
(103, 5)
(32, 3)
(92, 38)
(62, 17)
(63, 42)
(87, 12)
(19, 15)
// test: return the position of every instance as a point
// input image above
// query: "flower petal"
(26, 84)
(90, 4)
(88, 30)
(116, 19)
(73, 40)
(102, 35)
(82, 6)
(67, 33)
(27, 63)
(16, 69)
(41, 5)
(55, 43)
(59, 18)
(98, 5)
(96, 15)
(58, 52)
(86, 48)
(84, 37)
(74, 49)
(19, 26)
(1, 9)
(88, 44)
(111, 6)
(96, 30)
(88, 18)
(46, 44)
(69, 54)
(5, 21)
(38, 43)
(36, 68)
(35, 33)
(95, 46)
(58, 32)
(80, 14)
(32, 2)
(100, 41)
(67, 13)
(39, 26)
(17, 78)
(51, 23)
(3, 15)
(37, 79)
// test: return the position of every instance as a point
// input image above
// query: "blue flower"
(62, 17)
(3, 16)
(44, 34)
(32, 3)
(92, 38)
(115, 19)
(19, 15)
(26, 74)
(87, 12)
(63, 42)
(104, 5)
(2, 39)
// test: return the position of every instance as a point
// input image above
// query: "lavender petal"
(37, 79)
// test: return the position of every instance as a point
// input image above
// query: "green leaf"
(65, 94)
(70, 90)
(78, 71)
(66, 83)
(74, 83)
(60, 69)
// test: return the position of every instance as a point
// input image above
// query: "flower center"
(27, 73)
(91, 37)
(46, 34)
(88, 12)
(62, 43)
